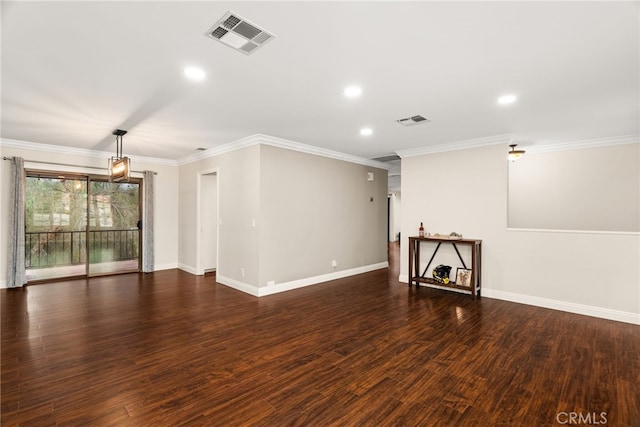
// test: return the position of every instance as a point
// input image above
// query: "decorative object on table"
(421, 231)
(463, 277)
(452, 236)
(434, 243)
(441, 273)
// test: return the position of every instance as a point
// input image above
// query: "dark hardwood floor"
(169, 348)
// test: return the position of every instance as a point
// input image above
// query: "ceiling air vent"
(238, 33)
(413, 120)
(389, 158)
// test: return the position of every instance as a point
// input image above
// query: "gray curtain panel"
(16, 273)
(147, 223)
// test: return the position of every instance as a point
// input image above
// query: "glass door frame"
(87, 178)
(105, 178)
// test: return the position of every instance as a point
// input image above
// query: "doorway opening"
(207, 222)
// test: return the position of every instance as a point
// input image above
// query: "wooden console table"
(476, 262)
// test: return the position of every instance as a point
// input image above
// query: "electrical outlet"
(334, 263)
(242, 271)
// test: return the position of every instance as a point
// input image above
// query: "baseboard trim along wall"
(295, 284)
(570, 307)
(169, 266)
(188, 269)
(238, 285)
(587, 310)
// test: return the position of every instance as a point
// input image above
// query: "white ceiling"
(72, 72)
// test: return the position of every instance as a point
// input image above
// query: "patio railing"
(60, 248)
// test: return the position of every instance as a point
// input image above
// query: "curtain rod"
(68, 164)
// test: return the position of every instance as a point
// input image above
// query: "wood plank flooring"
(169, 349)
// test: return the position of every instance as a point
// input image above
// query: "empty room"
(310, 213)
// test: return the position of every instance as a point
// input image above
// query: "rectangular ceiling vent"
(238, 33)
(389, 158)
(413, 120)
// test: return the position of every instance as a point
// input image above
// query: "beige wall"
(315, 210)
(166, 198)
(466, 191)
(238, 174)
(285, 216)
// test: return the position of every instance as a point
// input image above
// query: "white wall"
(209, 220)
(395, 216)
(166, 195)
(466, 191)
(554, 189)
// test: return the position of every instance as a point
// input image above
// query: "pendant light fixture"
(119, 166)
(515, 154)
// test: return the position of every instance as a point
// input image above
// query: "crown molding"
(219, 150)
(61, 149)
(585, 143)
(273, 141)
(323, 152)
(510, 137)
(465, 144)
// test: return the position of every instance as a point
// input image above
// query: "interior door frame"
(199, 220)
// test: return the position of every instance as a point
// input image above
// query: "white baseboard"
(295, 284)
(587, 310)
(188, 268)
(3, 284)
(236, 284)
(308, 281)
(169, 266)
(570, 307)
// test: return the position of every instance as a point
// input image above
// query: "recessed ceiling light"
(366, 131)
(194, 73)
(352, 91)
(507, 99)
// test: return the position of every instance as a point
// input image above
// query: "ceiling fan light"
(515, 154)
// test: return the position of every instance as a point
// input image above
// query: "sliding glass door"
(79, 225)
(114, 236)
(55, 226)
